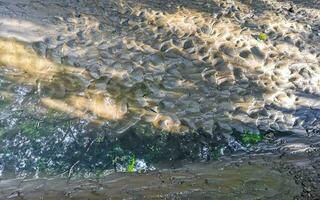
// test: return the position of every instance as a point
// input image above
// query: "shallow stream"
(156, 100)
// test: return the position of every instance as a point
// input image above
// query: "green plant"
(263, 36)
(132, 164)
(250, 138)
(99, 139)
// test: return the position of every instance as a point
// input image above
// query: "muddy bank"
(305, 170)
(241, 178)
(268, 176)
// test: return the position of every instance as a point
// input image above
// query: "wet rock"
(55, 54)
(245, 54)
(40, 48)
(188, 44)
(257, 53)
(226, 50)
(69, 60)
(220, 65)
(174, 53)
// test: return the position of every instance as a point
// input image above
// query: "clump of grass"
(132, 164)
(249, 138)
(263, 36)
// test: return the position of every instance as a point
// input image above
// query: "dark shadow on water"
(38, 147)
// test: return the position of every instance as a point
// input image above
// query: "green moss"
(2, 132)
(36, 129)
(30, 128)
(4, 103)
(215, 152)
(263, 36)
(250, 138)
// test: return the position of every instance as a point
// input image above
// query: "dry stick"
(71, 170)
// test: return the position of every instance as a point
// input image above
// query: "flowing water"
(115, 100)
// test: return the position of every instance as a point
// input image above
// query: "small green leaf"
(263, 36)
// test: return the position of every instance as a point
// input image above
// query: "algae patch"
(263, 36)
(249, 138)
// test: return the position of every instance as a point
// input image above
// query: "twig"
(72, 167)
(71, 171)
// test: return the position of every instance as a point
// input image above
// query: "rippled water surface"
(117, 98)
